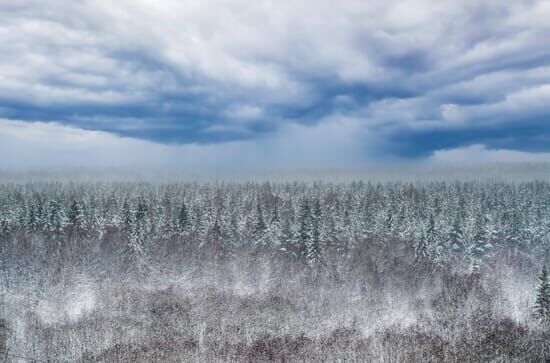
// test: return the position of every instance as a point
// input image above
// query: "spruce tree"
(514, 233)
(288, 239)
(138, 236)
(216, 239)
(127, 218)
(434, 243)
(305, 231)
(542, 303)
(76, 220)
(421, 250)
(56, 219)
(431, 233)
(456, 237)
(314, 247)
(275, 219)
(260, 226)
(480, 246)
(183, 219)
(32, 222)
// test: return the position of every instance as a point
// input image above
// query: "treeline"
(437, 222)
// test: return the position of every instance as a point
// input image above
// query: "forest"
(425, 271)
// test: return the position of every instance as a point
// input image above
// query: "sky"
(273, 84)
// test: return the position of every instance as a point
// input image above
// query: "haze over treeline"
(390, 171)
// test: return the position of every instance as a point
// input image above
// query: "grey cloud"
(216, 71)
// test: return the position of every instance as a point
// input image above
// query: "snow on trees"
(438, 221)
(542, 303)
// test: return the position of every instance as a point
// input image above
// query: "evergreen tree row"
(438, 222)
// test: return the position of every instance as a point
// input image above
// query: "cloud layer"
(368, 80)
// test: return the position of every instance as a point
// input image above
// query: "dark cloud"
(415, 76)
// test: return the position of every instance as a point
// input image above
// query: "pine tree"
(456, 237)
(434, 243)
(183, 219)
(480, 246)
(138, 235)
(233, 236)
(260, 226)
(199, 221)
(330, 239)
(421, 250)
(141, 211)
(288, 239)
(76, 219)
(275, 219)
(32, 222)
(56, 219)
(514, 233)
(431, 233)
(136, 246)
(305, 229)
(542, 303)
(314, 247)
(74, 213)
(389, 218)
(127, 218)
(216, 241)
(368, 217)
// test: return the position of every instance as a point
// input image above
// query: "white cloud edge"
(479, 154)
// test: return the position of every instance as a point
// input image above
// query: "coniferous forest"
(354, 271)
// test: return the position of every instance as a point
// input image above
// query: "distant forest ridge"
(436, 222)
(382, 172)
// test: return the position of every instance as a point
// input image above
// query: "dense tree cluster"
(362, 271)
(439, 222)
(542, 304)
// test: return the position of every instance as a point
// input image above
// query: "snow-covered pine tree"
(434, 242)
(314, 247)
(330, 234)
(233, 241)
(183, 222)
(514, 235)
(260, 225)
(216, 240)
(127, 218)
(421, 254)
(32, 221)
(273, 232)
(305, 228)
(76, 219)
(456, 238)
(275, 219)
(480, 245)
(289, 239)
(138, 236)
(542, 302)
(56, 219)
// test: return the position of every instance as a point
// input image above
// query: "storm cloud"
(367, 81)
